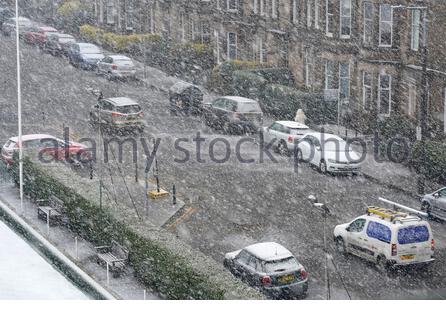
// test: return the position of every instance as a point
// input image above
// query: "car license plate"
(287, 279)
(408, 257)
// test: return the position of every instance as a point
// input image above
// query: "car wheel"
(323, 167)
(426, 207)
(382, 264)
(282, 148)
(340, 245)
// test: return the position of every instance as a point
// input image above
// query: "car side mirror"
(347, 229)
(436, 195)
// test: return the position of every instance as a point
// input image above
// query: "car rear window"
(281, 265)
(249, 107)
(298, 131)
(379, 231)
(10, 144)
(128, 109)
(413, 234)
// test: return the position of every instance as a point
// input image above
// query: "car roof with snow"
(239, 99)
(29, 137)
(293, 124)
(269, 251)
(119, 57)
(325, 135)
(122, 101)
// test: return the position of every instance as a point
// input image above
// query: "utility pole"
(424, 104)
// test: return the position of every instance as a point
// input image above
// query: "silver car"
(8, 27)
(117, 67)
(285, 134)
(434, 204)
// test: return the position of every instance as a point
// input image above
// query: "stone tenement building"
(371, 50)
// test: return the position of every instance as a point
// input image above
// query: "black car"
(185, 98)
(58, 43)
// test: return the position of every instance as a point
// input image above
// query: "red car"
(52, 148)
(38, 35)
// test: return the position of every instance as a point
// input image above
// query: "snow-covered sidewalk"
(125, 287)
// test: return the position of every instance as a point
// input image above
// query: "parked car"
(121, 114)
(8, 27)
(58, 44)
(5, 14)
(434, 204)
(233, 114)
(50, 146)
(387, 238)
(37, 35)
(185, 98)
(117, 67)
(271, 268)
(329, 153)
(286, 133)
(85, 55)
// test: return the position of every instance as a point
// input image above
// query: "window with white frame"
(295, 11)
(309, 13)
(196, 31)
(331, 71)
(255, 6)
(385, 94)
(231, 5)
(262, 7)
(232, 46)
(317, 12)
(367, 90)
(274, 9)
(369, 13)
(346, 18)
(260, 53)
(344, 81)
(309, 67)
(183, 27)
(217, 4)
(151, 20)
(329, 17)
(385, 25)
(129, 14)
(110, 11)
(415, 34)
(205, 32)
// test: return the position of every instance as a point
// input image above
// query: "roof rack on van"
(393, 216)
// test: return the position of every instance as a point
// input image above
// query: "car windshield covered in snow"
(248, 107)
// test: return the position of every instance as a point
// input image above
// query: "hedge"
(282, 102)
(282, 76)
(116, 42)
(434, 160)
(247, 84)
(160, 260)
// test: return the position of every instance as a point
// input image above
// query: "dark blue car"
(85, 55)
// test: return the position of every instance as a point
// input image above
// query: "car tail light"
(114, 67)
(290, 139)
(236, 115)
(116, 114)
(266, 281)
(394, 251)
(433, 245)
(303, 274)
(141, 114)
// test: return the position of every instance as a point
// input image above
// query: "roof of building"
(269, 251)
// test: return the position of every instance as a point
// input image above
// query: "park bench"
(115, 256)
(51, 210)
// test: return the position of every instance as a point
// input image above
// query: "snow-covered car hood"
(92, 56)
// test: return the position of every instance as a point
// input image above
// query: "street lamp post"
(325, 212)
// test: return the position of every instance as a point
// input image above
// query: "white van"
(387, 238)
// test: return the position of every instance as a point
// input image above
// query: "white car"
(117, 66)
(387, 238)
(329, 153)
(286, 134)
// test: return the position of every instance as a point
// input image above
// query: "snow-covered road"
(24, 274)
